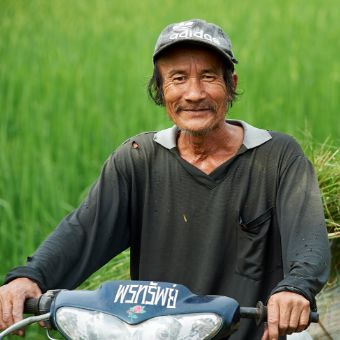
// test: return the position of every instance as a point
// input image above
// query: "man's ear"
(235, 79)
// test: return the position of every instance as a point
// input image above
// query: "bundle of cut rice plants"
(326, 160)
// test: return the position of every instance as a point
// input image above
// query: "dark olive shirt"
(253, 226)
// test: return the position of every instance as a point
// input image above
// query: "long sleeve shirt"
(253, 226)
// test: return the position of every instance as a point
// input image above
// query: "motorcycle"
(140, 310)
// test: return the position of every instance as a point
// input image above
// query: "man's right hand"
(12, 299)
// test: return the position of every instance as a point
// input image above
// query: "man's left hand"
(287, 313)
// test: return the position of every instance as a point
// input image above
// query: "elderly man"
(219, 206)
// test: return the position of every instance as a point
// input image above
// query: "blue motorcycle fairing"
(137, 301)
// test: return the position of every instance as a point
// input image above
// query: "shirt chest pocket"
(251, 245)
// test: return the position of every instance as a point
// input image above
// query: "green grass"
(72, 88)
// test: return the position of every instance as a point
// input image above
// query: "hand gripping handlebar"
(259, 313)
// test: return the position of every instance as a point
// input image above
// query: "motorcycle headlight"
(83, 324)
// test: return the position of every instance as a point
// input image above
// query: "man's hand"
(287, 313)
(12, 298)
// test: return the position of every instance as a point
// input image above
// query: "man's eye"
(178, 79)
(208, 77)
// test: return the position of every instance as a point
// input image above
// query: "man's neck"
(209, 150)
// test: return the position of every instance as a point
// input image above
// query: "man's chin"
(198, 132)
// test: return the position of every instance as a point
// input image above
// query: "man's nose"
(195, 90)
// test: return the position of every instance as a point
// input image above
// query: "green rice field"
(73, 78)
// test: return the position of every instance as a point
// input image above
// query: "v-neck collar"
(215, 177)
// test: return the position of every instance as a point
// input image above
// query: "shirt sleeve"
(305, 247)
(85, 239)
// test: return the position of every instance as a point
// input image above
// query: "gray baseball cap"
(195, 31)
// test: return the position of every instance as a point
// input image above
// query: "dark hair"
(155, 84)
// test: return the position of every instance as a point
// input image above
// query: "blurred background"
(73, 78)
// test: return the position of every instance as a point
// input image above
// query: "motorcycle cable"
(23, 323)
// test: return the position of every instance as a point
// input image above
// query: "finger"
(2, 324)
(7, 316)
(42, 324)
(304, 319)
(20, 332)
(294, 320)
(285, 314)
(273, 319)
(18, 308)
(265, 335)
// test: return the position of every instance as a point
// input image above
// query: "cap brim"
(222, 53)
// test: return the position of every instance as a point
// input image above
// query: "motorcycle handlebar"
(259, 313)
(42, 305)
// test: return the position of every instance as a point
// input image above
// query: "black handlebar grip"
(314, 317)
(31, 306)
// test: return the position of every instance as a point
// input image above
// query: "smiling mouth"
(201, 107)
(198, 110)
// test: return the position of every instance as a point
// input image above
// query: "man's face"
(195, 94)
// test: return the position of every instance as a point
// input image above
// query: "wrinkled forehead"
(186, 54)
